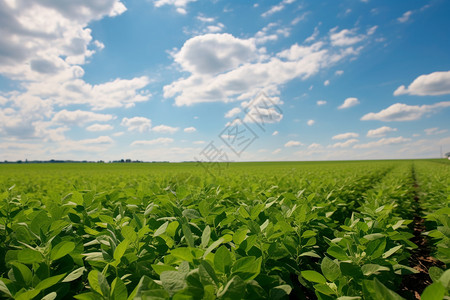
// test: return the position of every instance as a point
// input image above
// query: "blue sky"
(224, 80)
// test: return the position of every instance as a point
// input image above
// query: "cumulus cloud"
(140, 124)
(326, 83)
(292, 144)
(403, 112)
(383, 142)
(315, 146)
(180, 5)
(225, 68)
(349, 102)
(321, 102)
(339, 72)
(79, 117)
(158, 141)
(345, 37)
(99, 127)
(263, 109)
(344, 136)
(345, 144)
(380, 132)
(214, 53)
(190, 129)
(232, 112)
(165, 129)
(433, 84)
(310, 122)
(275, 133)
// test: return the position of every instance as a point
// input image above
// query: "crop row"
(325, 231)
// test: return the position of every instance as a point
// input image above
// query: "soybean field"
(272, 230)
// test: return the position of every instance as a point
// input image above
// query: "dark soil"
(413, 285)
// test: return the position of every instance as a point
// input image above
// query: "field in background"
(244, 230)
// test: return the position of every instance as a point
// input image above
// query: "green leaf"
(161, 268)
(21, 273)
(384, 293)
(207, 274)
(324, 289)
(75, 274)
(247, 267)
(445, 279)
(62, 249)
(188, 235)
(234, 289)
(391, 251)
(222, 260)
(4, 289)
(434, 291)
(206, 236)
(370, 269)
(29, 256)
(93, 278)
(330, 269)
(50, 296)
(280, 292)
(313, 276)
(86, 296)
(213, 246)
(375, 248)
(337, 252)
(435, 273)
(173, 281)
(240, 235)
(49, 282)
(120, 250)
(191, 214)
(161, 229)
(183, 253)
(118, 290)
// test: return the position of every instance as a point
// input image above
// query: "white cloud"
(79, 117)
(349, 102)
(232, 112)
(99, 127)
(339, 72)
(434, 131)
(165, 129)
(275, 133)
(310, 122)
(190, 129)
(276, 8)
(383, 142)
(205, 19)
(140, 124)
(315, 146)
(225, 68)
(433, 84)
(345, 37)
(214, 53)
(405, 17)
(326, 83)
(403, 112)
(199, 142)
(180, 5)
(276, 151)
(313, 36)
(263, 110)
(158, 141)
(292, 144)
(380, 132)
(344, 136)
(345, 144)
(321, 102)
(119, 133)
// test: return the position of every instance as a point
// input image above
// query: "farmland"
(304, 230)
